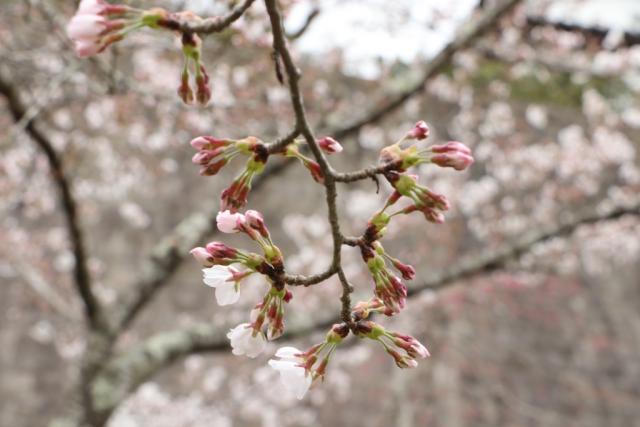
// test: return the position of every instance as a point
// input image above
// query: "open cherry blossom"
(228, 222)
(225, 280)
(293, 375)
(245, 342)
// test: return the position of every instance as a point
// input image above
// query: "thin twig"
(302, 124)
(307, 23)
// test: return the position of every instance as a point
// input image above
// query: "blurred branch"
(168, 255)
(160, 350)
(82, 279)
(307, 23)
(468, 34)
(598, 32)
(41, 287)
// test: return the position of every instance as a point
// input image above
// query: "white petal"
(287, 352)
(227, 293)
(301, 387)
(282, 365)
(255, 345)
(237, 337)
(85, 48)
(227, 222)
(90, 7)
(84, 27)
(216, 275)
(294, 378)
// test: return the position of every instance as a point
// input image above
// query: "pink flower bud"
(458, 161)
(228, 222)
(420, 131)
(316, 171)
(407, 271)
(452, 154)
(329, 145)
(433, 215)
(451, 147)
(202, 256)
(288, 296)
(219, 250)
(184, 90)
(256, 221)
(91, 7)
(203, 91)
(213, 168)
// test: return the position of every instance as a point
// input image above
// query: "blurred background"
(527, 297)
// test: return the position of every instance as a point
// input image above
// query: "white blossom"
(292, 375)
(221, 278)
(243, 342)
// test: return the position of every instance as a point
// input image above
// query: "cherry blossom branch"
(293, 77)
(160, 350)
(168, 255)
(82, 278)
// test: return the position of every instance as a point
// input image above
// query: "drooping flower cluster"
(97, 24)
(403, 348)
(192, 51)
(388, 287)
(223, 273)
(214, 153)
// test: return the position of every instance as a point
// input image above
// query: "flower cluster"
(403, 348)
(388, 287)
(452, 154)
(97, 24)
(192, 51)
(223, 272)
(214, 153)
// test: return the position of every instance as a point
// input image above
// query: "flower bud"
(202, 256)
(329, 145)
(256, 221)
(220, 250)
(420, 131)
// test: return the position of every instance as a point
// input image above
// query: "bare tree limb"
(82, 278)
(468, 34)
